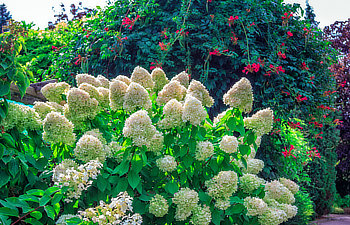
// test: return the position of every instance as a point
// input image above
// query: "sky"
(40, 11)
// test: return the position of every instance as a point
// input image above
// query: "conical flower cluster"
(117, 91)
(199, 91)
(240, 95)
(139, 127)
(183, 78)
(57, 129)
(136, 97)
(172, 90)
(54, 91)
(159, 78)
(261, 122)
(172, 112)
(142, 77)
(193, 111)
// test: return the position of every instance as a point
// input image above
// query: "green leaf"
(204, 197)
(57, 208)
(187, 160)
(168, 140)
(172, 187)
(33, 221)
(50, 211)
(192, 145)
(136, 164)
(244, 149)
(31, 198)
(8, 212)
(37, 192)
(37, 215)
(4, 178)
(249, 138)
(4, 88)
(231, 123)
(13, 167)
(101, 183)
(133, 179)
(44, 200)
(216, 217)
(9, 140)
(2, 149)
(51, 190)
(235, 209)
(56, 198)
(122, 186)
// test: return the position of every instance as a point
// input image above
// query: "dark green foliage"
(305, 209)
(4, 17)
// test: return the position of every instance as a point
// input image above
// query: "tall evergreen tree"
(4, 16)
(310, 15)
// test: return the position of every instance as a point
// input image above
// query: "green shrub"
(158, 151)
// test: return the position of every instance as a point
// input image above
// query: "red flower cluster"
(294, 125)
(287, 153)
(234, 39)
(231, 20)
(163, 33)
(281, 55)
(78, 60)
(328, 93)
(313, 153)
(290, 34)
(182, 33)
(163, 47)
(215, 52)
(303, 66)
(300, 98)
(343, 83)
(128, 22)
(106, 29)
(337, 122)
(155, 64)
(318, 136)
(286, 16)
(54, 48)
(326, 108)
(251, 68)
(274, 69)
(316, 124)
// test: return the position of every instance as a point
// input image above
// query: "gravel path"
(333, 219)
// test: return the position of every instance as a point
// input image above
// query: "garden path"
(333, 219)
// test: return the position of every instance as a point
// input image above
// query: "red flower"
(128, 22)
(163, 47)
(215, 52)
(54, 47)
(290, 34)
(163, 33)
(287, 153)
(294, 125)
(287, 93)
(155, 64)
(343, 83)
(106, 29)
(251, 68)
(337, 122)
(313, 153)
(318, 136)
(231, 20)
(300, 98)
(303, 66)
(88, 35)
(286, 16)
(281, 55)
(124, 38)
(78, 60)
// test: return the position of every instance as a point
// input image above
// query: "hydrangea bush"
(152, 139)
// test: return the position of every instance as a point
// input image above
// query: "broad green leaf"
(50, 211)
(56, 198)
(244, 149)
(235, 209)
(37, 192)
(13, 167)
(172, 187)
(4, 178)
(33, 221)
(44, 200)
(8, 212)
(136, 164)
(37, 215)
(133, 179)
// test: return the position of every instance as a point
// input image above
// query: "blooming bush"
(170, 158)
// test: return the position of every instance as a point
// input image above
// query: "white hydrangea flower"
(167, 163)
(200, 92)
(204, 150)
(186, 200)
(229, 144)
(158, 206)
(255, 206)
(193, 111)
(240, 95)
(261, 122)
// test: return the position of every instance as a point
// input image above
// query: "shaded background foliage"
(339, 35)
